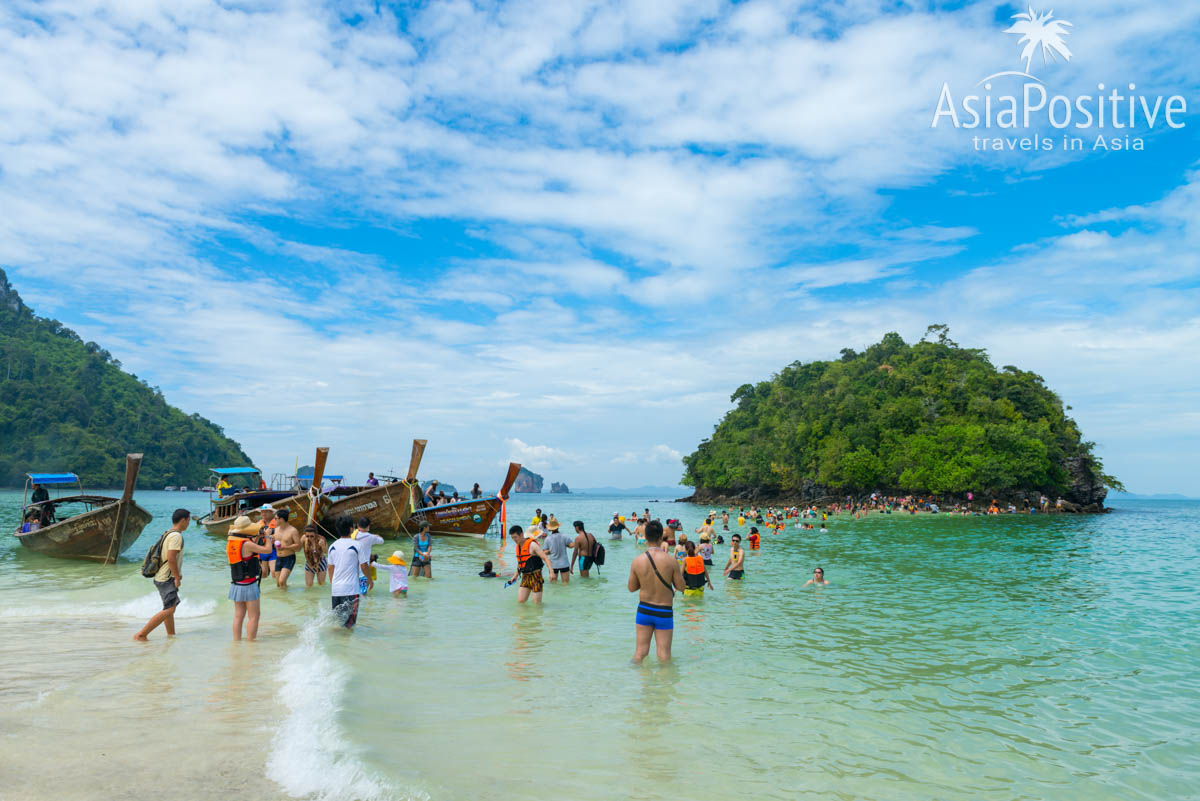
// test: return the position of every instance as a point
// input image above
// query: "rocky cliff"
(560, 488)
(527, 481)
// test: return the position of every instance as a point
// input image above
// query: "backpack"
(153, 561)
(598, 553)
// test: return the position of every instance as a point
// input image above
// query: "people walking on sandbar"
(244, 546)
(655, 617)
(348, 560)
(530, 559)
(169, 575)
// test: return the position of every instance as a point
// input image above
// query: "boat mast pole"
(133, 463)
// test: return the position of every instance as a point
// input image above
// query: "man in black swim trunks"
(655, 576)
(736, 566)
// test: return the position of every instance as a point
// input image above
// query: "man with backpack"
(165, 559)
(585, 550)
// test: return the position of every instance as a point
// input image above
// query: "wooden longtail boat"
(102, 531)
(303, 506)
(395, 508)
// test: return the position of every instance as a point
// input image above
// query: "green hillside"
(65, 404)
(931, 417)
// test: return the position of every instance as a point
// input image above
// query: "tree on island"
(931, 417)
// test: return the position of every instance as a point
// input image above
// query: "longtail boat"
(304, 506)
(397, 507)
(81, 526)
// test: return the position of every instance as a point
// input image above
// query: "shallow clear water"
(953, 658)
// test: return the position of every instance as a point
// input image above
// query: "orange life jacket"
(693, 565)
(528, 562)
(242, 569)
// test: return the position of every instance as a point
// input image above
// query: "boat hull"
(462, 519)
(90, 535)
(386, 506)
(217, 522)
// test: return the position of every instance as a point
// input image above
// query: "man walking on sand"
(288, 538)
(169, 575)
(655, 576)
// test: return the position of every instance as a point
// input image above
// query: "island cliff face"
(929, 419)
(527, 481)
(559, 488)
(66, 404)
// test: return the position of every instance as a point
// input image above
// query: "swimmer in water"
(818, 578)
(736, 566)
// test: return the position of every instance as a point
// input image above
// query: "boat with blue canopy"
(242, 491)
(76, 525)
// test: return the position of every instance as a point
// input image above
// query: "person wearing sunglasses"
(818, 578)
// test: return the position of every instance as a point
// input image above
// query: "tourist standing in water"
(243, 547)
(169, 575)
(560, 560)
(266, 520)
(288, 537)
(616, 527)
(736, 566)
(348, 560)
(422, 551)
(695, 574)
(583, 549)
(818, 578)
(315, 550)
(363, 536)
(530, 558)
(655, 618)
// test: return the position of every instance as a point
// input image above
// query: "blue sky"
(564, 233)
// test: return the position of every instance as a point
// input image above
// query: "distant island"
(527, 481)
(930, 418)
(558, 487)
(65, 404)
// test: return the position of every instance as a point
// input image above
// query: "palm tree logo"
(1037, 32)
(1040, 31)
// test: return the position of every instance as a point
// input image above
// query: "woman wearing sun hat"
(243, 546)
(395, 565)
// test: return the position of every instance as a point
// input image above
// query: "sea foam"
(312, 757)
(142, 607)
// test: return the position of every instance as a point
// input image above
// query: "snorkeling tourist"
(736, 566)
(487, 571)
(818, 578)
(243, 548)
(560, 559)
(315, 549)
(422, 546)
(530, 558)
(169, 575)
(287, 541)
(397, 567)
(347, 562)
(583, 549)
(695, 576)
(656, 595)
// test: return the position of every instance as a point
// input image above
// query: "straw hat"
(244, 525)
(552, 523)
(397, 558)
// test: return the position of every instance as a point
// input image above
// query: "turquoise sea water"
(953, 658)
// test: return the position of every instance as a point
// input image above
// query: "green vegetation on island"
(927, 418)
(65, 404)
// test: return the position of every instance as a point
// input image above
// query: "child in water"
(395, 565)
(695, 575)
(487, 571)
